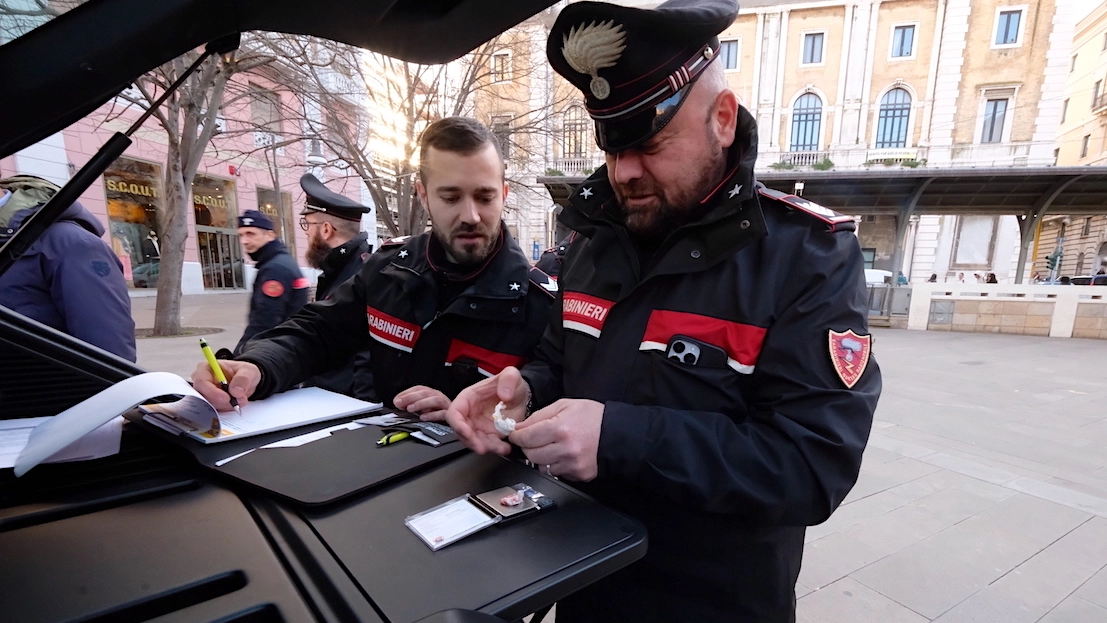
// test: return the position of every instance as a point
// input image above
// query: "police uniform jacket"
(343, 262)
(727, 459)
(354, 376)
(392, 308)
(279, 290)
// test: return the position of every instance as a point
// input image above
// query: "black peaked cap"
(322, 199)
(635, 66)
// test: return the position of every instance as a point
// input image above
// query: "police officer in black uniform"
(336, 244)
(711, 339)
(338, 247)
(437, 311)
(279, 287)
(552, 258)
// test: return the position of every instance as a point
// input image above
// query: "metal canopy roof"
(880, 190)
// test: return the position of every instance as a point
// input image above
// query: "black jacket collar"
(341, 255)
(503, 276)
(272, 249)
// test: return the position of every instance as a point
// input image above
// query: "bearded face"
(317, 249)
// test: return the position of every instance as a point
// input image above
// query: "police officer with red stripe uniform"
(437, 311)
(709, 372)
(280, 289)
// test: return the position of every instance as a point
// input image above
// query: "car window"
(19, 17)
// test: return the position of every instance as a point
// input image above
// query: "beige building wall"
(1082, 117)
(988, 67)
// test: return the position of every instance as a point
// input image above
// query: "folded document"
(190, 415)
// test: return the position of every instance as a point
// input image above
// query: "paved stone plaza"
(982, 497)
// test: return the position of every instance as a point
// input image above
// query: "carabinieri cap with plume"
(635, 66)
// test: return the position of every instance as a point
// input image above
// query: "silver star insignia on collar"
(734, 191)
(586, 193)
(402, 254)
(514, 286)
(342, 251)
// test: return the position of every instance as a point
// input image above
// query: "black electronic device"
(693, 352)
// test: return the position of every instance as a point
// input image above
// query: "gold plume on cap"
(591, 48)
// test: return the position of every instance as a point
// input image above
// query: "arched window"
(895, 110)
(807, 116)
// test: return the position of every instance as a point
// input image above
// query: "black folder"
(319, 472)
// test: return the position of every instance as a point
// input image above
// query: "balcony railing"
(803, 158)
(576, 166)
(1099, 103)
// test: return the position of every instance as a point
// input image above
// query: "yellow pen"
(218, 372)
(391, 438)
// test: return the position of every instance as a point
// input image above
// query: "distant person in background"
(901, 279)
(338, 247)
(933, 278)
(960, 277)
(552, 258)
(1101, 272)
(991, 278)
(70, 279)
(977, 278)
(1037, 278)
(280, 289)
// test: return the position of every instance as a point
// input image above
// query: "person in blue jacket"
(69, 279)
(280, 289)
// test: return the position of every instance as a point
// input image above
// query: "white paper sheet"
(14, 435)
(81, 419)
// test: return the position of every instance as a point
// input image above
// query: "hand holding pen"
(217, 372)
(242, 378)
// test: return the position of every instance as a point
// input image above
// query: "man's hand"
(428, 402)
(242, 379)
(470, 414)
(563, 439)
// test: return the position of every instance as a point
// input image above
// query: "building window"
(1087, 227)
(903, 41)
(895, 112)
(1072, 67)
(995, 112)
(133, 191)
(728, 50)
(807, 116)
(1104, 48)
(1008, 27)
(1064, 110)
(501, 128)
(265, 110)
(813, 48)
(279, 209)
(1084, 145)
(574, 133)
(216, 212)
(501, 67)
(974, 245)
(869, 256)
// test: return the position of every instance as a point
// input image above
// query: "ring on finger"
(548, 472)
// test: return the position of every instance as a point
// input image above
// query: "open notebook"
(191, 415)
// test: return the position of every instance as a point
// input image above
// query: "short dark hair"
(460, 135)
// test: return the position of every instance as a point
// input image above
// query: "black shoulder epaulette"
(833, 220)
(395, 242)
(547, 283)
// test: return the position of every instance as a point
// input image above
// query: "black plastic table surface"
(508, 569)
